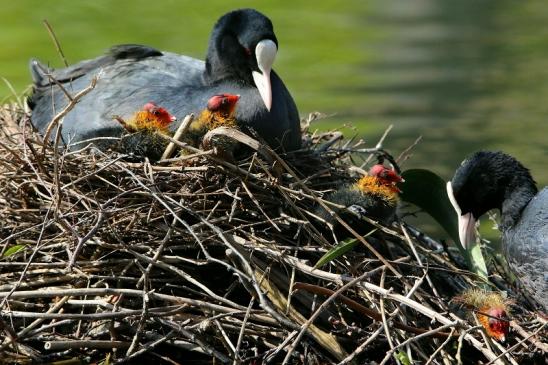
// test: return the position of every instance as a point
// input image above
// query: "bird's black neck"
(217, 71)
(516, 198)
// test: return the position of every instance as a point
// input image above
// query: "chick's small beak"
(233, 99)
(265, 52)
(395, 177)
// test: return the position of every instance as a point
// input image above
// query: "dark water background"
(465, 74)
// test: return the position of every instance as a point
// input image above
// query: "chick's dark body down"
(359, 204)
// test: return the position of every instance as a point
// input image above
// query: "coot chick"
(220, 112)
(152, 118)
(374, 196)
(494, 180)
(242, 49)
(490, 309)
(143, 140)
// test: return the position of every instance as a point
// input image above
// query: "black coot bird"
(494, 180)
(242, 49)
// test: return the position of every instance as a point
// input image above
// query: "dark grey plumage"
(526, 246)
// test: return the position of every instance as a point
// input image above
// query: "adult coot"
(242, 49)
(489, 180)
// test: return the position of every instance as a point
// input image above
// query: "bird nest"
(199, 260)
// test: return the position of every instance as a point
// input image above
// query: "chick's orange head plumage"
(381, 182)
(159, 115)
(383, 178)
(150, 117)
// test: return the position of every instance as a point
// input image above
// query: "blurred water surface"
(463, 74)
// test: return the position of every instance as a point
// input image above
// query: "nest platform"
(197, 260)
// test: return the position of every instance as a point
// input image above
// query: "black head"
(493, 180)
(233, 42)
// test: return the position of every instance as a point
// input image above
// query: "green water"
(463, 74)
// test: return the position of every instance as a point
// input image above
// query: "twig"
(106, 291)
(226, 340)
(419, 261)
(460, 342)
(142, 320)
(185, 276)
(183, 127)
(151, 345)
(385, 325)
(539, 344)
(361, 347)
(192, 337)
(433, 356)
(403, 154)
(241, 334)
(317, 312)
(91, 344)
(426, 334)
(55, 121)
(56, 42)
(507, 351)
(371, 313)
